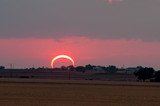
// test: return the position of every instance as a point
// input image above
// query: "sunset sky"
(99, 32)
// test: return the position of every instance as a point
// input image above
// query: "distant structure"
(131, 70)
(11, 66)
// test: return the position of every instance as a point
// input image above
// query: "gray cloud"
(138, 19)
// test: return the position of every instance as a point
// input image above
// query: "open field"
(65, 75)
(38, 92)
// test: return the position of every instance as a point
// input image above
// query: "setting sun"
(60, 57)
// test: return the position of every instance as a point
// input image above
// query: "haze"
(91, 31)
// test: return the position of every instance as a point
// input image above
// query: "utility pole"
(11, 66)
(69, 76)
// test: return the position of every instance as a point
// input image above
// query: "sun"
(60, 57)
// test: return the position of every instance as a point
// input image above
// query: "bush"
(157, 76)
(144, 73)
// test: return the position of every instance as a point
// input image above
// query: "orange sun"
(60, 57)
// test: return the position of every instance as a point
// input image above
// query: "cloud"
(130, 19)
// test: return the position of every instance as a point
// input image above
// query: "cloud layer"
(39, 52)
(130, 19)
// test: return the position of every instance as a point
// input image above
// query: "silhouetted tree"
(2, 67)
(80, 69)
(63, 68)
(157, 76)
(89, 67)
(144, 73)
(111, 69)
(71, 68)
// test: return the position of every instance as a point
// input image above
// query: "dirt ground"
(17, 92)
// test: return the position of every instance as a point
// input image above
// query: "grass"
(77, 93)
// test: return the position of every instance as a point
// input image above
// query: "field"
(35, 92)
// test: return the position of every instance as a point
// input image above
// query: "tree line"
(147, 74)
(143, 74)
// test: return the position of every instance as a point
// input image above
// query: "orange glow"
(59, 57)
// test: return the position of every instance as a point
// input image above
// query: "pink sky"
(116, 32)
(39, 52)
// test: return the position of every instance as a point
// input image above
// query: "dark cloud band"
(138, 19)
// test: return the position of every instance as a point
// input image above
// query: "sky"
(100, 32)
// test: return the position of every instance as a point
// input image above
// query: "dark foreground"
(34, 92)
